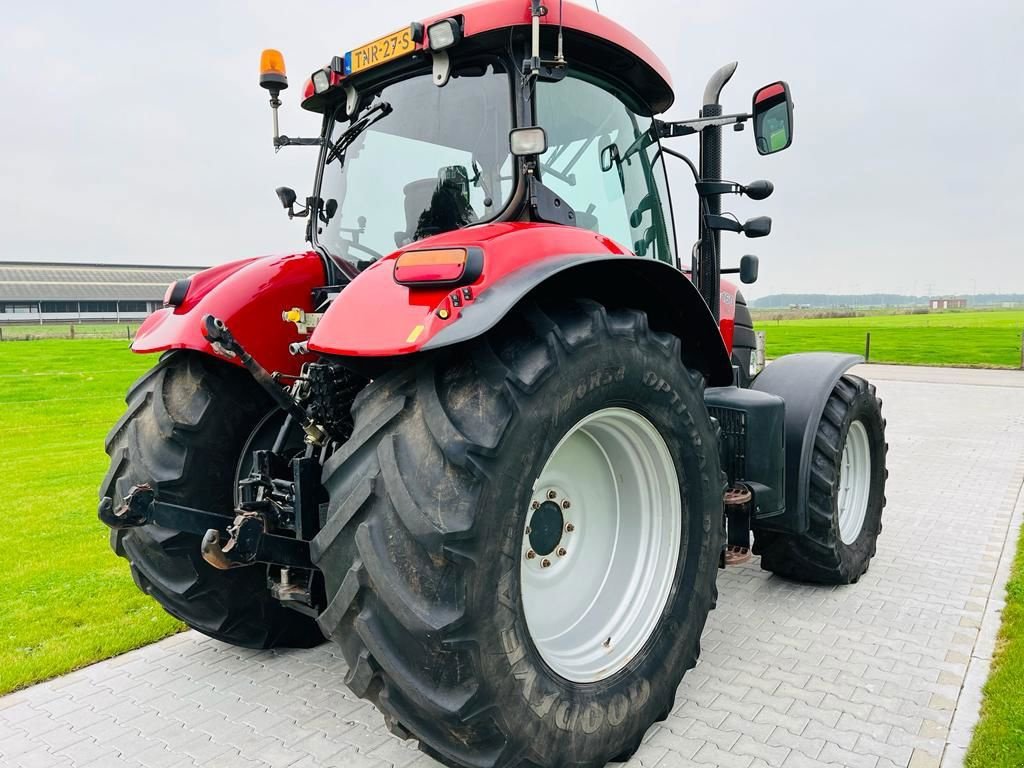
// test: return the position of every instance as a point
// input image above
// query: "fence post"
(1, 334)
(1022, 350)
(129, 329)
(72, 331)
(867, 347)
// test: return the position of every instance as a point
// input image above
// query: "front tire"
(424, 545)
(846, 493)
(188, 423)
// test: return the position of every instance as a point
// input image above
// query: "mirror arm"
(705, 188)
(667, 130)
(287, 141)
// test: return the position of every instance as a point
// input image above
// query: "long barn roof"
(51, 281)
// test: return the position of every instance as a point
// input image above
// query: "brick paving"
(869, 675)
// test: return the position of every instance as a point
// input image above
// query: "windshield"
(429, 161)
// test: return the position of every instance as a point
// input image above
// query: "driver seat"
(418, 195)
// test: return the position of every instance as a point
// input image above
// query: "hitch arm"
(225, 343)
(248, 540)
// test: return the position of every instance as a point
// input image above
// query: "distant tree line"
(838, 301)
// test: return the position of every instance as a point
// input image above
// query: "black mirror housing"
(748, 269)
(759, 190)
(760, 226)
(772, 114)
(286, 195)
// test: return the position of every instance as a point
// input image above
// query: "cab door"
(604, 161)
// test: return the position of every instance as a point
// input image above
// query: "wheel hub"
(546, 528)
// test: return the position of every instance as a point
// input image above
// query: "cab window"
(602, 160)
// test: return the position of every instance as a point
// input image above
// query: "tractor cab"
(416, 132)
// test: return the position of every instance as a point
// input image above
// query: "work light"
(443, 34)
(321, 80)
(528, 141)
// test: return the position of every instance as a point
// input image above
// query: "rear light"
(176, 292)
(439, 267)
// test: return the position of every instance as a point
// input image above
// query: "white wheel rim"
(854, 483)
(593, 601)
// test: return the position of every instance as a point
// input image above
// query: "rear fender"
(671, 303)
(375, 320)
(804, 381)
(249, 296)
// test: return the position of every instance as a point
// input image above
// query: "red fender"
(249, 295)
(377, 317)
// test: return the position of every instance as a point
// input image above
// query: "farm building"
(947, 302)
(40, 292)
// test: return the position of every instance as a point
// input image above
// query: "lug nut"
(566, 504)
(535, 505)
(552, 494)
(569, 527)
(530, 554)
(545, 563)
(562, 552)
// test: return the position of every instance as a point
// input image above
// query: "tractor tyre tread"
(820, 556)
(403, 530)
(186, 422)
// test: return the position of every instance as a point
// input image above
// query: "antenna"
(597, 6)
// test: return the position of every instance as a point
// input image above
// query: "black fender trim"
(804, 381)
(671, 301)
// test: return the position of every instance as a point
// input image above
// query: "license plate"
(380, 51)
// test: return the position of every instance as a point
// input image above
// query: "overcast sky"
(136, 132)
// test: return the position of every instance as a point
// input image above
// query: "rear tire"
(846, 495)
(423, 543)
(187, 423)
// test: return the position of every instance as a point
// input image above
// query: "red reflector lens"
(438, 266)
(768, 92)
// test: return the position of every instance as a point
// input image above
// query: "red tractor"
(487, 432)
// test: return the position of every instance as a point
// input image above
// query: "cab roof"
(592, 40)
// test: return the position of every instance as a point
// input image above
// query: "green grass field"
(65, 599)
(999, 738)
(34, 331)
(983, 338)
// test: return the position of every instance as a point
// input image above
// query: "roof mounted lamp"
(274, 78)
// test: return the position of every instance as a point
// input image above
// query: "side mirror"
(759, 190)
(773, 118)
(760, 226)
(286, 195)
(748, 269)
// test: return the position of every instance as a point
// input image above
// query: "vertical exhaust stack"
(708, 279)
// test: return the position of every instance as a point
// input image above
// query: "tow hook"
(133, 512)
(243, 539)
(249, 543)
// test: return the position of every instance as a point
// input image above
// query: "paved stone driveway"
(868, 675)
